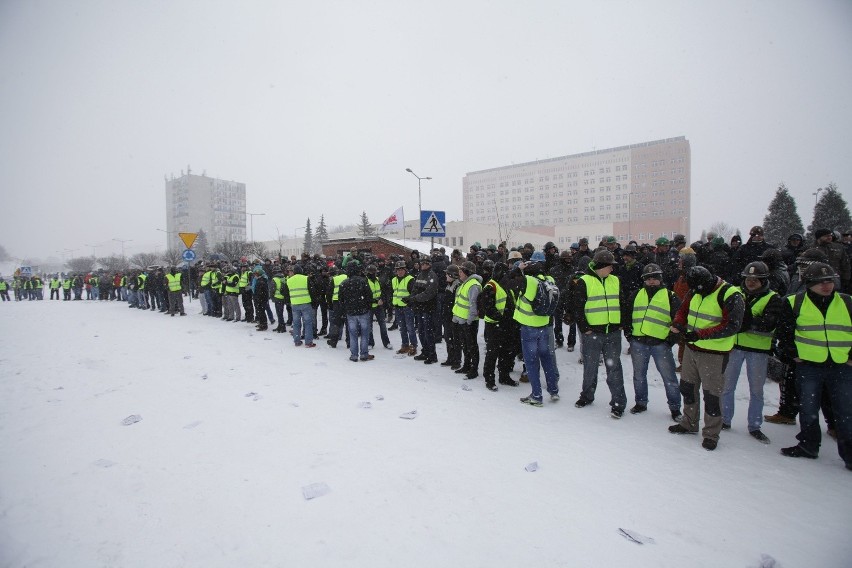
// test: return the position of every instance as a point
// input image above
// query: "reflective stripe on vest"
(141, 281)
(400, 289)
(298, 287)
(376, 289)
(461, 307)
(337, 280)
(652, 318)
(704, 312)
(499, 301)
(602, 300)
(278, 282)
(816, 338)
(232, 284)
(523, 306)
(173, 281)
(244, 280)
(757, 339)
(205, 278)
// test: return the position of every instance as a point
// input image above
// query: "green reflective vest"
(231, 282)
(3, 286)
(376, 289)
(819, 337)
(141, 280)
(205, 278)
(400, 289)
(757, 339)
(704, 312)
(278, 284)
(66, 284)
(173, 281)
(499, 300)
(244, 279)
(298, 287)
(652, 317)
(602, 300)
(524, 313)
(461, 307)
(54, 283)
(337, 280)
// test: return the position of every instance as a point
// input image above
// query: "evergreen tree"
(320, 235)
(201, 246)
(308, 245)
(782, 219)
(831, 212)
(365, 229)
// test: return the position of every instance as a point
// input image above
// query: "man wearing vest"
(377, 306)
(66, 288)
(4, 290)
(401, 285)
(536, 334)
(204, 295)
(498, 311)
(466, 318)
(278, 283)
(335, 330)
(651, 310)
(298, 295)
(452, 342)
(54, 287)
(175, 287)
(231, 299)
(597, 311)
(356, 298)
(245, 293)
(95, 281)
(708, 320)
(815, 331)
(424, 292)
(752, 346)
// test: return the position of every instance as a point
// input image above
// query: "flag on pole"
(395, 221)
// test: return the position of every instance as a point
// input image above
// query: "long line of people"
(794, 323)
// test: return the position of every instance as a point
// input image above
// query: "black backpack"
(546, 299)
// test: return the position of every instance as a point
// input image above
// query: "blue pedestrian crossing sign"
(189, 255)
(433, 224)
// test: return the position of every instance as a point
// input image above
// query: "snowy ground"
(236, 423)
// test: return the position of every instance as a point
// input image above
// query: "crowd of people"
(703, 310)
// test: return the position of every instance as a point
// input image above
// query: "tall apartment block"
(196, 202)
(637, 192)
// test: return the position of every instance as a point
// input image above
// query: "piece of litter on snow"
(192, 425)
(366, 405)
(248, 394)
(315, 490)
(59, 388)
(103, 463)
(380, 397)
(256, 397)
(204, 377)
(634, 536)
(294, 404)
(531, 466)
(421, 379)
(466, 387)
(132, 419)
(409, 415)
(766, 561)
(187, 356)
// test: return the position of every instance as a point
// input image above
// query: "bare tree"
(113, 263)
(257, 249)
(723, 230)
(172, 257)
(81, 264)
(232, 250)
(144, 259)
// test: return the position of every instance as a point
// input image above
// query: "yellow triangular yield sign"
(188, 238)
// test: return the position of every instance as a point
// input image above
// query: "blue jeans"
(426, 333)
(407, 332)
(641, 354)
(610, 345)
(837, 381)
(756, 368)
(536, 348)
(359, 334)
(303, 319)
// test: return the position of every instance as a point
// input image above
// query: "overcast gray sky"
(320, 106)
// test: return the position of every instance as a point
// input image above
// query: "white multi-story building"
(196, 202)
(637, 192)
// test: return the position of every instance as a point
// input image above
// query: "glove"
(690, 336)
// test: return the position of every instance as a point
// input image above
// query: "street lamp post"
(94, 248)
(419, 193)
(122, 241)
(168, 237)
(251, 217)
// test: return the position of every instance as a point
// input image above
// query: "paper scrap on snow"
(634, 536)
(466, 387)
(380, 397)
(409, 415)
(248, 394)
(132, 419)
(103, 463)
(204, 377)
(366, 404)
(315, 490)
(421, 379)
(531, 466)
(192, 425)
